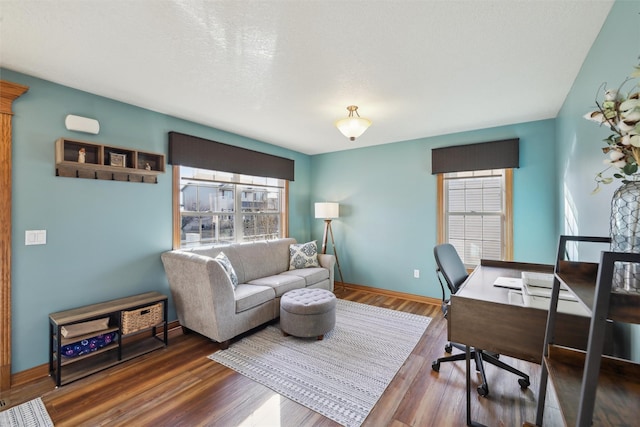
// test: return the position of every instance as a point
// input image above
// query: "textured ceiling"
(283, 71)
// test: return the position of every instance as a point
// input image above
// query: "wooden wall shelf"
(107, 162)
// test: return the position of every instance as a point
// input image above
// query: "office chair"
(450, 266)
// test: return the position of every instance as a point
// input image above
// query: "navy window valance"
(193, 151)
(471, 157)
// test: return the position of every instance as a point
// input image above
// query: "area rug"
(342, 376)
(29, 414)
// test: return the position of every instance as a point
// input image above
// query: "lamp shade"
(327, 210)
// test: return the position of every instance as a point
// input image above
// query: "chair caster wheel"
(483, 390)
(436, 366)
(448, 348)
(524, 382)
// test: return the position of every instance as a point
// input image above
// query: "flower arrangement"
(621, 113)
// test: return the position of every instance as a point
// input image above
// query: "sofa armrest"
(202, 292)
(328, 261)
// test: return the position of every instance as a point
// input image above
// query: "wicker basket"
(142, 318)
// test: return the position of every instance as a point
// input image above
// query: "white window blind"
(474, 214)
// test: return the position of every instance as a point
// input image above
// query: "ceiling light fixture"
(354, 125)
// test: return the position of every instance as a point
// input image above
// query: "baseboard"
(35, 373)
(388, 293)
(41, 371)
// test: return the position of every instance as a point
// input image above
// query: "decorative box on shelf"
(82, 159)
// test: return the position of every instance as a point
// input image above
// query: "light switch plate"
(35, 237)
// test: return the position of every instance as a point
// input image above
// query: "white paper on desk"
(508, 282)
(515, 297)
(541, 280)
(546, 292)
(569, 307)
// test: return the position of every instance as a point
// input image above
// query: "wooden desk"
(481, 316)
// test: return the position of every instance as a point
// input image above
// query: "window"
(475, 214)
(212, 207)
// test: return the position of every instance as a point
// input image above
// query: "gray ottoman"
(307, 312)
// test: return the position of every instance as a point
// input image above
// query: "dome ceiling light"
(353, 126)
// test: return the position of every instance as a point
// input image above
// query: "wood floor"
(179, 386)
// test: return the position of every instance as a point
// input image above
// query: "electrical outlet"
(416, 274)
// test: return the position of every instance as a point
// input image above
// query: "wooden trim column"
(9, 92)
(175, 209)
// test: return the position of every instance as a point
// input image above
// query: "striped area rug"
(29, 414)
(341, 377)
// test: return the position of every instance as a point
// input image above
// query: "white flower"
(612, 95)
(616, 159)
(615, 155)
(619, 164)
(629, 104)
(595, 116)
(620, 113)
(631, 116)
(626, 126)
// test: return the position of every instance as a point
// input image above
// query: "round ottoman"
(307, 312)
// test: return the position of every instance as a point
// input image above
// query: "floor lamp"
(328, 211)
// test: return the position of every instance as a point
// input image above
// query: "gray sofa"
(204, 296)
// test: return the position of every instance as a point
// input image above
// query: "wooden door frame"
(9, 92)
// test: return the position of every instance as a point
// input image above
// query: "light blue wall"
(104, 238)
(387, 196)
(579, 142)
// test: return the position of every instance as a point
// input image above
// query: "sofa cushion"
(303, 255)
(280, 250)
(311, 276)
(249, 296)
(252, 260)
(281, 283)
(225, 263)
(210, 251)
(257, 260)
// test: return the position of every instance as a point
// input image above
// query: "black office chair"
(450, 266)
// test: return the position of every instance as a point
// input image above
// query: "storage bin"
(89, 345)
(141, 318)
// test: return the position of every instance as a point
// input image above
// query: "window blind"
(472, 157)
(474, 215)
(193, 151)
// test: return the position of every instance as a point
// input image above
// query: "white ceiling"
(282, 71)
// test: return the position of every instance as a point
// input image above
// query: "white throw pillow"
(224, 262)
(303, 255)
